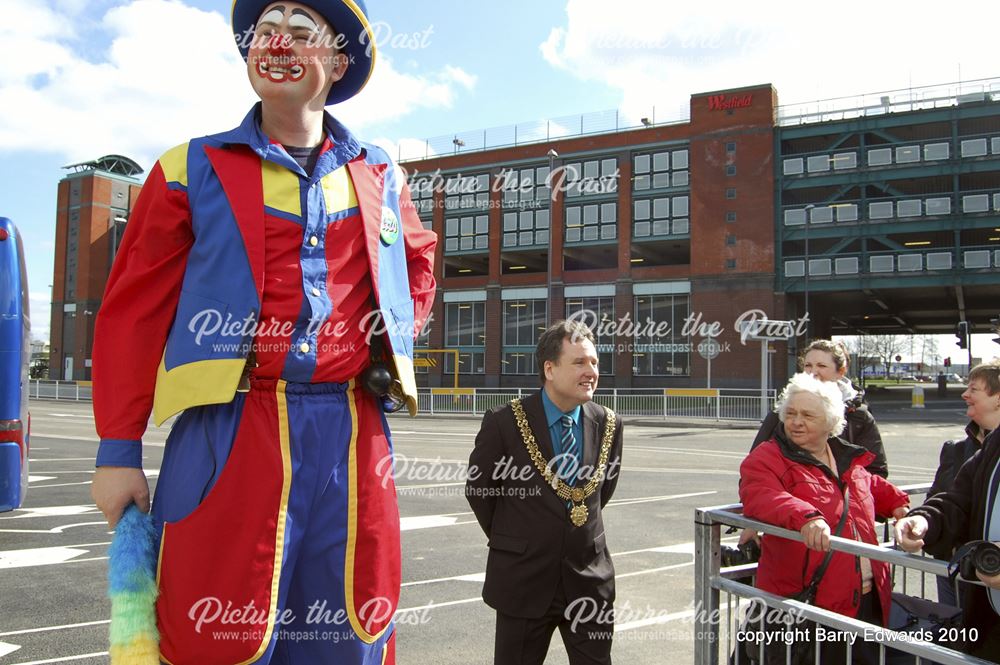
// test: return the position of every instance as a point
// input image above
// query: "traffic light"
(995, 328)
(947, 362)
(962, 333)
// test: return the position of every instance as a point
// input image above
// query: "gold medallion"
(578, 516)
(578, 513)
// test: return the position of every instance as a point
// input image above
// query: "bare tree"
(886, 348)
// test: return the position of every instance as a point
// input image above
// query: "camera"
(978, 555)
(748, 552)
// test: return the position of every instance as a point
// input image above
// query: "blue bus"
(15, 353)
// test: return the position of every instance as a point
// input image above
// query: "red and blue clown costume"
(275, 510)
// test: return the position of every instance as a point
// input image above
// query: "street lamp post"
(552, 198)
(808, 210)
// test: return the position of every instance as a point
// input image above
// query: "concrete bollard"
(918, 397)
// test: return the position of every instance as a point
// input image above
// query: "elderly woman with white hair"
(805, 478)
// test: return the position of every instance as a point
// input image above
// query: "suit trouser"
(521, 641)
(280, 530)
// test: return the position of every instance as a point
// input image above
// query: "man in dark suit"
(541, 471)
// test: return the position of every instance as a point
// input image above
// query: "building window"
(523, 322)
(730, 264)
(731, 216)
(422, 193)
(595, 221)
(465, 331)
(730, 239)
(730, 192)
(659, 348)
(731, 170)
(731, 147)
(526, 228)
(658, 170)
(593, 177)
(597, 313)
(467, 233)
(526, 187)
(661, 216)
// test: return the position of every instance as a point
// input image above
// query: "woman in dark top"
(982, 400)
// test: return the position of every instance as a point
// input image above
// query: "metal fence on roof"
(539, 131)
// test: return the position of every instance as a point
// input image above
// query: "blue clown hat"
(348, 18)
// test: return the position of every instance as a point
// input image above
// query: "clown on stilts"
(267, 292)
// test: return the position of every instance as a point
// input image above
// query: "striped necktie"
(570, 448)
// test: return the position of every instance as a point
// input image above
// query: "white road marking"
(653, 621)
(8, 648)
(70, 415)
(58, 529)
(38, 479)
(49, 628)
(62, 459)
(647, 499)
(428, 522)
(65, 659)
(41, 556)
(51, 511)
(474, 577)
(433, 606)
(41, 487)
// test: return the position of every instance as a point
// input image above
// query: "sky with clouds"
(85, 78)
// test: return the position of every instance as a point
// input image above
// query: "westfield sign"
(723, 103)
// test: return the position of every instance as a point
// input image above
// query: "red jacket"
(783, 485)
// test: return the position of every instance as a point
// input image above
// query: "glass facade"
(659, 170)
(466, 204)
(659, 348)
(523, 322)
(465, 330)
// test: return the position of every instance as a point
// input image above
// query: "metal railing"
(74, 391)
(891, 101)
(538, 131)
(688, 404)
(714, 404)
(715, 634)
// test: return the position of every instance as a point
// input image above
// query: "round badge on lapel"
(389, 229)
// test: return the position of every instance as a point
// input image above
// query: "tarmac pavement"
(53, 553)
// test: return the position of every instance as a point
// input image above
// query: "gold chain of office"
(578, 514)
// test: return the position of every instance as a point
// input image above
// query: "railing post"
(664, 404)
(77, 391)
(475, 391)
(718, 405)
(432, 401)
(614, 400)
(707, 550)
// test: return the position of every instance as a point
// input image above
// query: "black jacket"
(954, 454)
(533, 545)
(859, 430)
(957, 516)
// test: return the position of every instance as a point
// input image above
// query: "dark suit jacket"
(533, 545)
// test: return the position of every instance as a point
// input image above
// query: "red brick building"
(662, 225)
(93, 205)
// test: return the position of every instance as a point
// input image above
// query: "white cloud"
(169, 72)
(659, 54)
(392, 94)
(40, 309)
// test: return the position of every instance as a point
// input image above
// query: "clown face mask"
(293, 58)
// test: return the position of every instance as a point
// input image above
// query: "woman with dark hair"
(827, 361)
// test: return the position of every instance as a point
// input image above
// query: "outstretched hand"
(909, 533)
